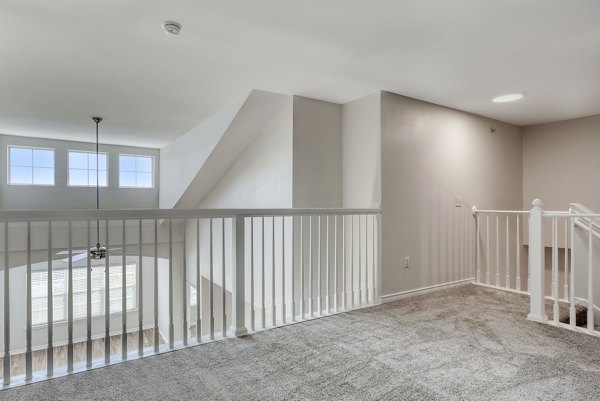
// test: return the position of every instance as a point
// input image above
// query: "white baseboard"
(425, 290)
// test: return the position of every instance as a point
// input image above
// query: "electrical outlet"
(406, 262)
(458, 201)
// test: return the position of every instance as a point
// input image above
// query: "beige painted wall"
(317, 148)
(430, 155)
(561, 163)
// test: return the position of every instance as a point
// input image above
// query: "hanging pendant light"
(98, 251)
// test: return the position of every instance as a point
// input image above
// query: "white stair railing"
(499, 248)
(580, 243)
(170, 276)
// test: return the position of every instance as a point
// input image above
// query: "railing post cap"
(474, 209)
(537, 203)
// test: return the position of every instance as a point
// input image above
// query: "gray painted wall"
(61, 196)
(431, 155)
(560, 166)
(317, 152)
(561, 163)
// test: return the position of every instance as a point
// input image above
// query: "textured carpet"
(466, 343)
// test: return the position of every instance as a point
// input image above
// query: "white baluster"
(477, 247)
(327, 290)
(518, 255)
(171, 324)
(352, 261)
(140, 293)
(310, 267)
(572, 309)
(487, 250)
(198, 286)
(555, 269)
(6, 358)
(344, 262)
(50, 350)
(156, 331)
(302, 304)
(28, 333)
(262, 279)
(70, 355)
(566, 263)
(283, 304)
(252, 306)
(211, 290)
(223, 282)
(359, 260)
(184, 301)
(293, 270)
(335, 264)
(590, 278)
(319, 273)
(497, 251)
(124, 296)
(374, 267)
(379, 252)
(88, 314)
(273, 309)
(507, 261)
(107, 351)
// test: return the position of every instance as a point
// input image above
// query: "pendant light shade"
(98, 251)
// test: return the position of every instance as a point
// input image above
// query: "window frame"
(88, 170)
(32, 184)
(153, 178)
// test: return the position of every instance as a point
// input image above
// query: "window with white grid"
(30, 166)
(39, 292)
(136, 171)
(82, 169)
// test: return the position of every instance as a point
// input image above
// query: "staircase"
(563, 312)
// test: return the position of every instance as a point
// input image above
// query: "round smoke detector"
(171, 28)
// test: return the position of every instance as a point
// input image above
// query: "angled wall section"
(192, 165)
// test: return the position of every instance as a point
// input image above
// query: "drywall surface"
(361, 152)
(62, 196)
(430, 155)
(196, 162)
(185, 156)
(262, 176)
(561, 163)
(317, 154)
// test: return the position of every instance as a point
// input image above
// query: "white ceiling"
(62, 61)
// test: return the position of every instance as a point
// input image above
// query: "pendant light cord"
(97, 178)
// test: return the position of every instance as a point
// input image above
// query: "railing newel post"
(536, 263)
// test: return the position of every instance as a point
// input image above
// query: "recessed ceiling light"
(171, 27)
(507, 98)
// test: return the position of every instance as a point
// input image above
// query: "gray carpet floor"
(465, 343)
